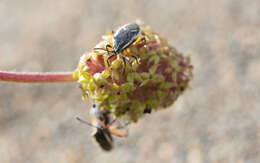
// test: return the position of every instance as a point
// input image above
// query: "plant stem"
(37, 77)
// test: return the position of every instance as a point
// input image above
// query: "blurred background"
(216, 120)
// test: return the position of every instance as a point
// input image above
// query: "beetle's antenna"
(110, 51)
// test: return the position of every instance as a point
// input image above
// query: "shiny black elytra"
(123, 38)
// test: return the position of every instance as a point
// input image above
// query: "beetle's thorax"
(125, 36)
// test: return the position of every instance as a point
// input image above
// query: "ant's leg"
(113, 121)
(122, 126)
(95, 122)
(114, 131)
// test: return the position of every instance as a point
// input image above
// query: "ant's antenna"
(84, 122)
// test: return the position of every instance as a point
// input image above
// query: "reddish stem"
(47, 77)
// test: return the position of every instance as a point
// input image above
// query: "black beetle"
(123, 38)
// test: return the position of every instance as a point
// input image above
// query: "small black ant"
(104, 128)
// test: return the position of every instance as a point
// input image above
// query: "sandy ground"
(216, 120)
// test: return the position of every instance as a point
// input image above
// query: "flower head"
(152, 82)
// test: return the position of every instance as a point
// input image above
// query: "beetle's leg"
(124, 60)
(106, 49)
(99, 49)
(135, 57)
(144, 40)
(108, 46)
(109, 57)
(144, 37)
(141, 39)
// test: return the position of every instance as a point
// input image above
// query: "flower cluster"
(129, 91)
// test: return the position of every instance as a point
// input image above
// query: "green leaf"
(174, 76)
(106, 74)
(168, 70)
(155, 59)
(82, 79)
(76, 74)
(92, 86)
(137, 77)
(158, 78)
(153, 69)
(166, 85)
(145, 75)
(115, 75)
(130, 77)
(116, 63)
(86, 75)
(127, 87)
(161, 94)
(152, 103)
(133, 50)
(115, 86)
(135, 65)
(145, 82)
(176, 66)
